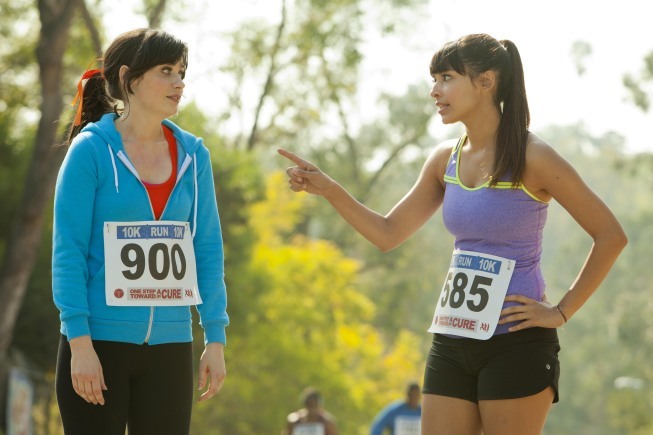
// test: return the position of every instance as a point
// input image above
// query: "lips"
(175, 98)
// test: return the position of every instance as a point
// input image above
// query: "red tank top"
(159, 193)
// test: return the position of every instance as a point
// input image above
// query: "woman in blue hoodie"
(137, 240)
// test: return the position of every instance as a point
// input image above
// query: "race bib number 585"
(472, 295)
(150, 263)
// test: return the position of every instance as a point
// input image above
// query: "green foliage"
(306, 323)
(311, 109)
(641, 85)
(18, 90)
(630, 412)
(37, 326)
(309, 64)
(611, 336)
(579, 51)
(18, 96)
(36, 332)
(338, 314)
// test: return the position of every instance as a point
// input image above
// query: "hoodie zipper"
(125, 160)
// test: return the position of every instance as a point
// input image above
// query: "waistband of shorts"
(524, 335)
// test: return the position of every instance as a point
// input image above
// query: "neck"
(139, 127)
(483, 127)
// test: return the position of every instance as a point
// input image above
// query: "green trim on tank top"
(499, 185)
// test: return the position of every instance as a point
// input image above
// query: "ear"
(121, 73)
(487, 80)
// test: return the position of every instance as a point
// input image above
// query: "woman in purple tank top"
(493, 367)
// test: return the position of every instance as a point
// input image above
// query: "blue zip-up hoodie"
(97, 184)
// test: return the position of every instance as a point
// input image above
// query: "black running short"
(506, 366)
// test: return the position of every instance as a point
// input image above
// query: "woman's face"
(159, 90)
(455, 96)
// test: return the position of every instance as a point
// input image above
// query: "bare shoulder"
(538, 149)
(545, 168)
(543, 158)
(436, 164)
(443, 150)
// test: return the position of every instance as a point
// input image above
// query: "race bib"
(405, 425)
(472, 295)
(308, 429)
(150, 263)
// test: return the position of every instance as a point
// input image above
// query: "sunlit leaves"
(304, 322)
(580, 50)
(640, 86)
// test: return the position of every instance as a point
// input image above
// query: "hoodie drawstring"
(196, 203)
(131, 168)
(115, 170)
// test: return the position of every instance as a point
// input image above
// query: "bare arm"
(549, 175)
(385, 232)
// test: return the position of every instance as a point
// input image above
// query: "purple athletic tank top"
(499, 220)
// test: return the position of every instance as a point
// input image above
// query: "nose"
(179, 83)
(435, 92)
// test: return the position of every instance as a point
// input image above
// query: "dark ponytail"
(93, 102)
(510, 155)
(475, 54)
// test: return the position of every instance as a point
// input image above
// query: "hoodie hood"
(106, 128)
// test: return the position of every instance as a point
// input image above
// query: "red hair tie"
(80, 93)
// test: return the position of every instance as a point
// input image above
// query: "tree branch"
(349, 140)
(251, 141)
(393, 155)
(92, 29)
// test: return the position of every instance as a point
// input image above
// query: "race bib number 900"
(472, 295)
(150, 263)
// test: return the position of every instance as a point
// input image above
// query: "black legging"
(149, 390)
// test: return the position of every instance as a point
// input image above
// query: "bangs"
(161, 49)
(447, 59)
(173, 51)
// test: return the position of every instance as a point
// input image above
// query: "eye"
(166, 70)
(444, 77)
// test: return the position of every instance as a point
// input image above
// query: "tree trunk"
(23, 244)
(155, 15)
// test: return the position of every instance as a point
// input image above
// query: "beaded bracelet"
(561, 313)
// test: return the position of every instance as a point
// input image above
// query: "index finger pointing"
(294, 157)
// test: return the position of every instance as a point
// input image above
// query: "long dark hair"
(140, 50)
(475, 54)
